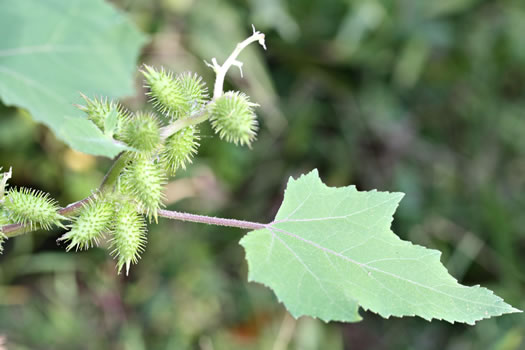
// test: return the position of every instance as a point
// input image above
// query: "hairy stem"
(18, 229)
(210, 220)
(180, 124)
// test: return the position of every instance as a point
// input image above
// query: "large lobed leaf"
(52, 50)
(331, 250)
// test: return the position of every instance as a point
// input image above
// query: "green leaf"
(111, 122)
(52, 50)
(331, 250)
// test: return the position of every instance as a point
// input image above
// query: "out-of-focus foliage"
(52, 50)
(422, 97)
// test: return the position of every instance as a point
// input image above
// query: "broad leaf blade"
(52, 50)
(331, 250)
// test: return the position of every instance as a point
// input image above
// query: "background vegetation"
(427, 98)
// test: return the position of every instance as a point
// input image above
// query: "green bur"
(142, 132)
(233, 118)
(32, 208)
(144, 180)
(96, 217)
(180, 148)
(129, 236)
(167, 93)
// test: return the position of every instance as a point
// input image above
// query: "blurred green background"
(427, 98)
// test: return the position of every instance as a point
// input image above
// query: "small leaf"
(330, 251)
(111, 122)
(105, 114)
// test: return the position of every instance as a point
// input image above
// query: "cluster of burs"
(159, 144)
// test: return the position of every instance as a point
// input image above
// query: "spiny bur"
(144, 179)
(233, 118)
(107, 115)
(179, 149)
(142, 132)
(95, 219)
(32, 208)
(194, 88)
(129, 235)
(166, 92)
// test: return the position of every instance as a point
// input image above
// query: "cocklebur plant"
(328, 252)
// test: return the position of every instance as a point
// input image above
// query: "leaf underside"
(52, 50)
(330, 251)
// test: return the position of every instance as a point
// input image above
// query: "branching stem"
(18, 229)
(120, 161)
(221, 71)
(180, 124)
